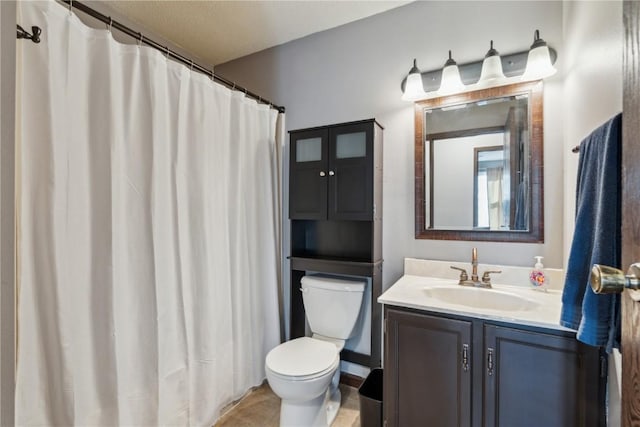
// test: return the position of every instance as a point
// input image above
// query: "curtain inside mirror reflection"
(494, 198)
(491, 208)
(522, 207)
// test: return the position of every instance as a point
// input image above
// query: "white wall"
(7, 206)
(0, 182)
(453, 183)
(354, 72)
(2, 391)
(593, 34)
(593, 81)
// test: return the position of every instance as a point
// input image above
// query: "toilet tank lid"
(333, 283)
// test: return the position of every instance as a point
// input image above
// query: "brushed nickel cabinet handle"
(490, 361)
(465, 357)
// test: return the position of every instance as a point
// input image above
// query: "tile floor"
(261, 408)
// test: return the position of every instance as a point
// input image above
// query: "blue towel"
(596, 239)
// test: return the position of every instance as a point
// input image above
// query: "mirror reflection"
(478, 152)
(479, 165)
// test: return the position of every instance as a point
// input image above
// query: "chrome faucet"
(464, 277)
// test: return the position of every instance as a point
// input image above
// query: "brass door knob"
(609, 280)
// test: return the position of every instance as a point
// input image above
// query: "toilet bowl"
(304, 372)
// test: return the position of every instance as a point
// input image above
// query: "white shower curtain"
(494, 198)
(148, 237)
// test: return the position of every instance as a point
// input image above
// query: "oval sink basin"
(490, 299)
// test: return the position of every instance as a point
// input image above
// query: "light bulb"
(413, 89)
(451, 82)
(539, 60)
(491, 67)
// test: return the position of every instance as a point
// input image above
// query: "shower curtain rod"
(165, 49)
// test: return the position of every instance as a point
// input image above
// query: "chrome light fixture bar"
(513, 65)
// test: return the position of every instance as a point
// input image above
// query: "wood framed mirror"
(479, 165)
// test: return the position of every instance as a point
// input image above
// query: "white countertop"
(410, 292)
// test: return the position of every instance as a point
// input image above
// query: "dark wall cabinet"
(335, 200)
(445, 371)
(332, 172)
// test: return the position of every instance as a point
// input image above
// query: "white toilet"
(304, 372)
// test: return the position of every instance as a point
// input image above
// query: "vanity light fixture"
(539, 60)
(451, 82)
(491, 67)
(414, 89)
(494, 70)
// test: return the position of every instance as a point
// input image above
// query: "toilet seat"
(290, 378)
(302, 359)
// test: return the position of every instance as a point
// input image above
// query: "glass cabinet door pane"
(351, 145)
(309, 150)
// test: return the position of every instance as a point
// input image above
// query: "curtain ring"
(213, 76)
(191, 66)
(234, 86)
(167, 51)
(110, 24)
(140, 40)
(70, 6)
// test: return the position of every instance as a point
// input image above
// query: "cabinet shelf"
(336, 265)
(335, 208)
(347, 240)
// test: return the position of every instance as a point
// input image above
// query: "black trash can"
(370, 394)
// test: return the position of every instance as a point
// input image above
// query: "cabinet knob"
(322, 173)
(331, 173)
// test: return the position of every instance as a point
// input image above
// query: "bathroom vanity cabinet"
(456, 371)
(335, 208)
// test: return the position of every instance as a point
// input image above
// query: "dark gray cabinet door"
(427, 372)
(534, 379)
(308, 174)
(351, 172)
(332, 173)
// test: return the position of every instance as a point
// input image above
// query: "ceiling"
(219, 31)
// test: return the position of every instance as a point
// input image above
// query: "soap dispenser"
(537, 277)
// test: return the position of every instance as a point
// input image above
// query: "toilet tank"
(332, 304)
